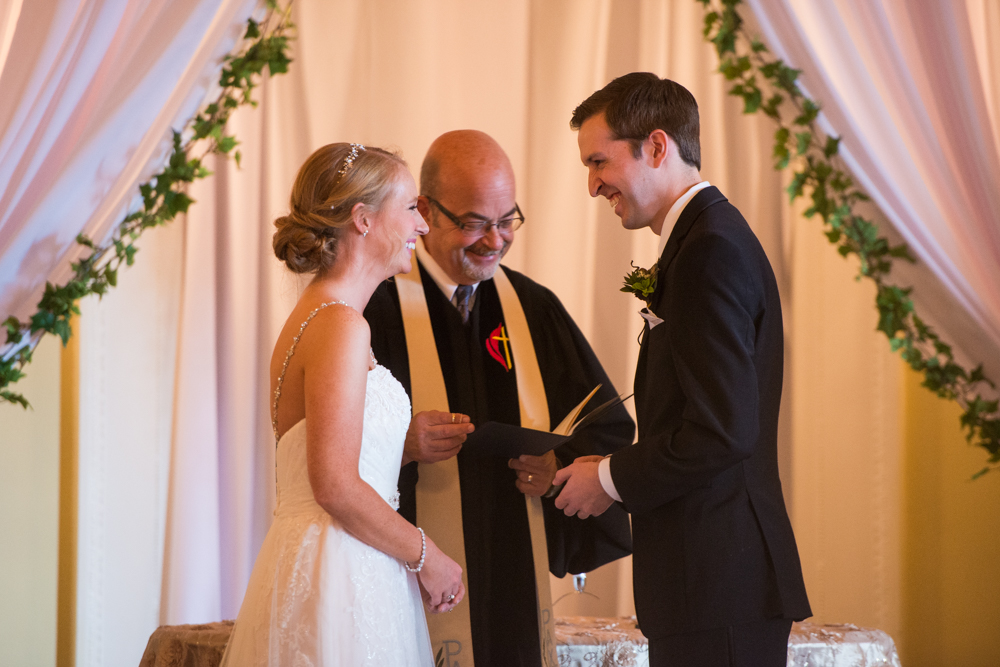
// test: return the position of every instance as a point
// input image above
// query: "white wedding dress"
(317, 595)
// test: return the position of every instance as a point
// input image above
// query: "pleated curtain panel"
(913, 89)
(90, 92)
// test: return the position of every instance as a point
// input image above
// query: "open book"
(509, 441)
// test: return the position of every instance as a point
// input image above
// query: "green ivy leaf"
(902, 251)
(803, 139)
(253, 31)
(832, 147)
(13, 326)
(785, 78)
(62, 329)
(840, 181)
(11, 397)
(781, 152)
(227, 143)
(770, 108)
(711, 18)
(810, 110)
(730, 70)
(797, 186)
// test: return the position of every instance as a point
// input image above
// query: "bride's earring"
(364, 234)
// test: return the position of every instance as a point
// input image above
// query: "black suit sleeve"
(710, 305)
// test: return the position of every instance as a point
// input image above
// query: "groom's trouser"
(760, 644)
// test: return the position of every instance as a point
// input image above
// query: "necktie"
(463, 293)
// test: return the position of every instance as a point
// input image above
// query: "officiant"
(466, 336)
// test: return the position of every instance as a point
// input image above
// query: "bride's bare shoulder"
(323, 329)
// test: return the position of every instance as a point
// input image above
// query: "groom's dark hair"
(636, 104)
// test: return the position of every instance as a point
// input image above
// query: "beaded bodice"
(386, 419)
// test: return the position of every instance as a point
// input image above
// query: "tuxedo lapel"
(702, 200)
(698, 203)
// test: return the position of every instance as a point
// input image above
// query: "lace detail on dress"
(298, 555)
(381, 627)
(387, 416)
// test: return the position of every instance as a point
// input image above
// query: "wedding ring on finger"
(452, 417)
(530, 477)
(450, 598)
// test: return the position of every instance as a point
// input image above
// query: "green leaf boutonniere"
(641, 282)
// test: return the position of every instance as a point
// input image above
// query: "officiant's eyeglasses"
(482, 227)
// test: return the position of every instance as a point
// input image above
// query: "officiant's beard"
(477, 273)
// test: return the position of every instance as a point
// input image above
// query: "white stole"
(439, 501)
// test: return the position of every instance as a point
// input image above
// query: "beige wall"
(951, 545)
(29, 515)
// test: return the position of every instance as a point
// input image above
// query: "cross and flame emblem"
(496, 339)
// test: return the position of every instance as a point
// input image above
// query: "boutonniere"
(641, 282)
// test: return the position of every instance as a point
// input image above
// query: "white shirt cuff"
(604, 473)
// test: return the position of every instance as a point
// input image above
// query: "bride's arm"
(335, 360)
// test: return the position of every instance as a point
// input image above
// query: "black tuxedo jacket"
(712, 543)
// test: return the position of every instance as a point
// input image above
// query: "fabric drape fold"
(904, 86)
(91, 91)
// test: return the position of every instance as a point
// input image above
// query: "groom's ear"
(659, 145)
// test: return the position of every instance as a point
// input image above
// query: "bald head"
(470, 180)
(464, 160)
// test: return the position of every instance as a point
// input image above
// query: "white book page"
(566, 425)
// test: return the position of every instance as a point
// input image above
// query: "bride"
(338, 579)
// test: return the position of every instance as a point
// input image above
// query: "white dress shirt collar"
(447, 285)
(674, 214)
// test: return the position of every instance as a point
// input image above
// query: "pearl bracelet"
(423, 553)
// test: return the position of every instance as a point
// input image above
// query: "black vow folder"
(510, 442)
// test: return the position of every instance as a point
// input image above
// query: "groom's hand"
(435, 436)
(583, 494)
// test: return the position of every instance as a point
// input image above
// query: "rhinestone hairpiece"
(349, 160)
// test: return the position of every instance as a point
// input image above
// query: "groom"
(717, 578)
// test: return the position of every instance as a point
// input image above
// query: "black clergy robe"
(479, 383)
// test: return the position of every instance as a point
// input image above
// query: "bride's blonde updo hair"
(327, 187)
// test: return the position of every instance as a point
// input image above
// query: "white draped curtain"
(913, 89)
(91, 89)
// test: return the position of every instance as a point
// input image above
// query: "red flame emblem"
(498, 345)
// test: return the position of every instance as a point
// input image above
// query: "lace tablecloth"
(582, 641)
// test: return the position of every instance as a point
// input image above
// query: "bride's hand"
(435, 436)
(440, 580)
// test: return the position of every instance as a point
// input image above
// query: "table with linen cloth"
(583, 641)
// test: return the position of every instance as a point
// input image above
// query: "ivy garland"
(265, 44)
(819, 173)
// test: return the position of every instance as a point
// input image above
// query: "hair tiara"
(349, 160)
